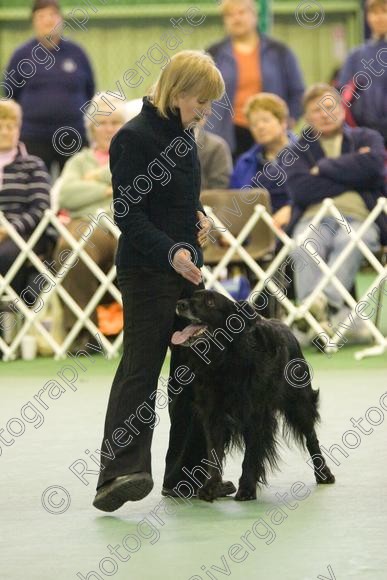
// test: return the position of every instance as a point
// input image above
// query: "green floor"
(336, 532)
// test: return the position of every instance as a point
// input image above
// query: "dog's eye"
(210, 301)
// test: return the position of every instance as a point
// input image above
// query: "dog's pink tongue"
(180, 336)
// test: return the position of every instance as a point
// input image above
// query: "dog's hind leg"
(301, 415)
(303, 429)
(322, 472)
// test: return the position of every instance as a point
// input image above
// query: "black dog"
(249, 370)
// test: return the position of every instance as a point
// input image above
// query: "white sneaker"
(357, 333)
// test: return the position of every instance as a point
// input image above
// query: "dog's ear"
(248, 312)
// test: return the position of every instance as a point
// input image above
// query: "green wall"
(119, 34)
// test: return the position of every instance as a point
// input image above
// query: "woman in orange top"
(251, 62)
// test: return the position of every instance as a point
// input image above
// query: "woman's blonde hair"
(268, 102)
(99, 101)
(189, 71)
(10, 109)
(374, 5)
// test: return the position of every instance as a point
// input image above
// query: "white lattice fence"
(28, 315)
(267, 280)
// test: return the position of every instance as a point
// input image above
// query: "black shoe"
(116, 492)
(225, 488)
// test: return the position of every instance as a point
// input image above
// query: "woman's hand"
(182, 263)
(315, 170)
(281, 217)
(205, 228)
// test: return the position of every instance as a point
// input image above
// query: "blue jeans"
(329, 242)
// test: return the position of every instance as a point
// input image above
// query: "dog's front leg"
(259, 447)
(214, 462)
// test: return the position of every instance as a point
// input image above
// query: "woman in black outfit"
(156, 187)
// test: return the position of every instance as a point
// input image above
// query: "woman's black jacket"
(156, 187)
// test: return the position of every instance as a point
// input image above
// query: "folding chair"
(231, 208)
(228, 205)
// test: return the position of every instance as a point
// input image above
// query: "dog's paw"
(207, 494)
(324, 475)
(246, 494)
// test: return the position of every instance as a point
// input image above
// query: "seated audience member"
(24, 188)
(343, 163)
(85, 187)
(267, 115)
(368, 104)
(215, 160)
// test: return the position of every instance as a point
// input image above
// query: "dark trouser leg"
(149, 301)
(42, 149)
(46, 151)
(187, 443)
(8, 254)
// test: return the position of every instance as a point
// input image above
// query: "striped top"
(24, 191)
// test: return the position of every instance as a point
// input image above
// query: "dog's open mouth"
(188, 335)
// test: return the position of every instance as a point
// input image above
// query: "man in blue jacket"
(251, 62)
(51, 78)
(365, 72)
(346, 164)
